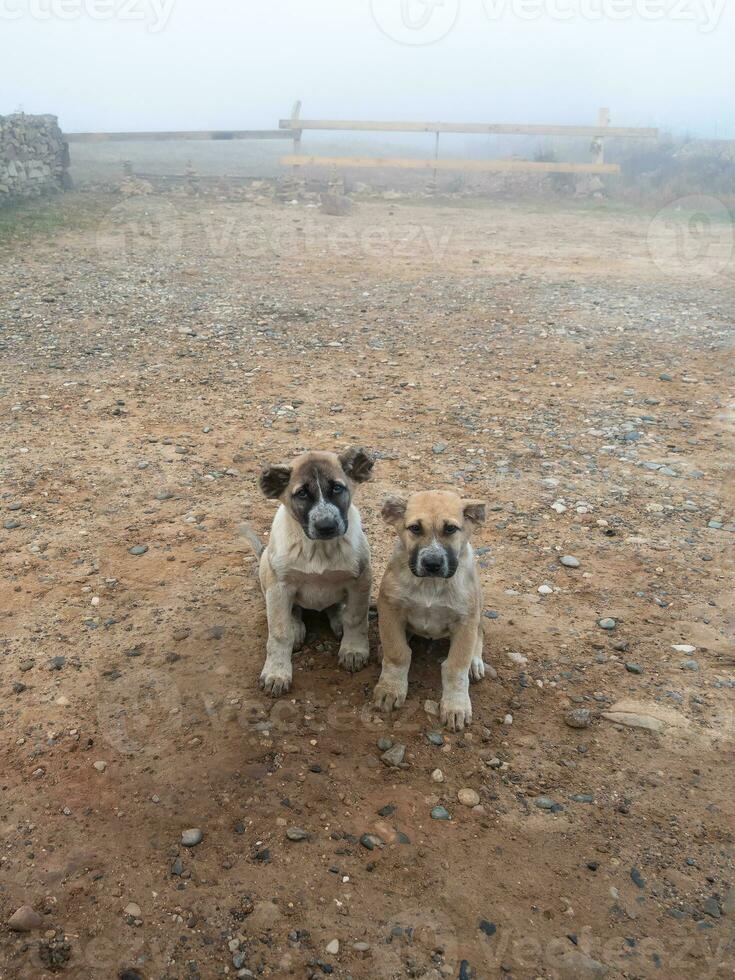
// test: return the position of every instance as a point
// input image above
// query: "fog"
(187, 64)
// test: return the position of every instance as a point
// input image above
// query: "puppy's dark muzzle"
(433, 567)
(325, 530)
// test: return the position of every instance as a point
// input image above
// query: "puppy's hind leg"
(335, 619)
(477, 666)
(299, 628)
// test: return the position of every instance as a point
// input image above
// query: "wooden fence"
(595, 134)
(294, 127)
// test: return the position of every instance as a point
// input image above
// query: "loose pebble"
(191, 837)
(569, 561)
(25, 919)
(578, 718)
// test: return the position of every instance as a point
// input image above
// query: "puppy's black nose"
(325, 527)
(433, 564)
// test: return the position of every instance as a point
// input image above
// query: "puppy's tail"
(253, 540)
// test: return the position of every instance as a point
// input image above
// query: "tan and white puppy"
(431, 589)
(317, 557)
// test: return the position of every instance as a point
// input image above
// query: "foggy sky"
(190, 64)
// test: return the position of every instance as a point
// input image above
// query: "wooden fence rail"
(157, 137)
(293, 128)
(596, 134)
(508, 129)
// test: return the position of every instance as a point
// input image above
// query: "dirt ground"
(562, 363)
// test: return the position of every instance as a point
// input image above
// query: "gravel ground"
(159, 816)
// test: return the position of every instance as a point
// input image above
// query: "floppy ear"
(393, 510)
(357, 464)
(474, 511)
(274, 480)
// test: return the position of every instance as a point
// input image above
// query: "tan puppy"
(431, 588)
(317, 558)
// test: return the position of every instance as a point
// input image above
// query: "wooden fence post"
(295, 113)
(598, 146)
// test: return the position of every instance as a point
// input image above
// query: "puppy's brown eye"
(450, 529)
(338, 488)
(415, 529)
(302, 494)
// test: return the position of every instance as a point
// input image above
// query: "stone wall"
(34, 158)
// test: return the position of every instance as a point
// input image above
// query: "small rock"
(468, 796)
(25, 919)
(712, 908)
(435, 738)
(544, 803)
(132, 910)
(545, 590)
(637, 878)
(296, 834)
(394, 756)
(437, 776)
(384, 743)
(440, 813)
(100, 766)
(578, 718)
(192, 837)
(569, 561)
(689, 665)
(138, 549)
(607, 623)
(634, 668)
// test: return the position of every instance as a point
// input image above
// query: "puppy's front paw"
(477, 669)
(275, 679)
(352, 657)
(455, 712)
(389, 694)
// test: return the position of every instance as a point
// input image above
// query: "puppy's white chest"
(431, 621)
(319, 591)
(429, 614)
